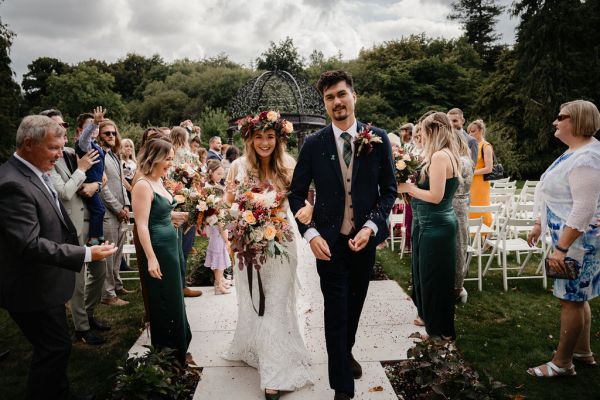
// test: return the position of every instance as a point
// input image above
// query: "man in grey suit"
(40, 254)
(116, 202)
(68, 176)
(458, 120)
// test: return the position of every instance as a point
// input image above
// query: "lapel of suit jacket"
(38, 183)
(331, 153)
(357, 158)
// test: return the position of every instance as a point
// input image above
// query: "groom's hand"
(320, 248)
(361, 239)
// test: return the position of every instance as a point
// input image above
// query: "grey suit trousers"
(88, 288)
(114, 232)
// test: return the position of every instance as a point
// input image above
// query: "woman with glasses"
(568, 202)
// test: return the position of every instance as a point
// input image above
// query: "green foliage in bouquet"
(156, 375)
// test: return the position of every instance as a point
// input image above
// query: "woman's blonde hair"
(584, 116)
(437, 133)
(279, 162)
(123, 143)
(179, 138)
(153, 151)
(479, 124)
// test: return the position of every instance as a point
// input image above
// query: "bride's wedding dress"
(273, 343)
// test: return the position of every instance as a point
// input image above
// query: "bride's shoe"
(272, 396)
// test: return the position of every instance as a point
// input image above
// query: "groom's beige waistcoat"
(348, 222)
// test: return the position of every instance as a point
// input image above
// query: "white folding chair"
(130, 255)
(505, 244)
(474, 249)
(394, 220)
(499, 181)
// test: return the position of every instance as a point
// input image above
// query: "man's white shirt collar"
(351, 130)
(32, 167)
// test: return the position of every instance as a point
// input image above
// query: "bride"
(271, 343)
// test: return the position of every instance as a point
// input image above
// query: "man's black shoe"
(4, 354)
(356, 368)
(341, 396)
(89, 337)
(97, 325)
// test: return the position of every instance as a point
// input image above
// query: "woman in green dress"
(435, 226)
(161, 250)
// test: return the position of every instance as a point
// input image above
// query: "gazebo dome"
(294, 98)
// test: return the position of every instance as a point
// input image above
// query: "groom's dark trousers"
(342, 199)
(344, 283)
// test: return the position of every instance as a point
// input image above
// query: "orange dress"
(480, 189)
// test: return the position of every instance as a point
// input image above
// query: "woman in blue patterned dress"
(568, 202)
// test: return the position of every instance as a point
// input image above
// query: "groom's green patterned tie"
(347, 148)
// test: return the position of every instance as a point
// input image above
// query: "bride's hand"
(304, 215)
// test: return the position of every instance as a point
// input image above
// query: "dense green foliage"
(516, 90)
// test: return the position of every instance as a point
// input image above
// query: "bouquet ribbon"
(261, 292)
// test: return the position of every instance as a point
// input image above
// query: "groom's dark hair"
(330, 78)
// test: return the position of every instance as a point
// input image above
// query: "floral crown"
(264, 121)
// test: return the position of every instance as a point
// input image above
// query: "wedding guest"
(40, 251)
(217, 256)
(68, 176)
(214, 151)
(568, 201)
(179, 140)
(458, 120)
(165, 130)
(160, 257)
(460, 203)
(480, 188)
(128, 164)
(435, 226)
(95, 206)
(195, 144)
(202, 155)
(116, 202)
(406, 132)
(230, 156)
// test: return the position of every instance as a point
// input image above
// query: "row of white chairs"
(512, 219)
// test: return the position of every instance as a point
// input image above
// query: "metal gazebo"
(294, 98)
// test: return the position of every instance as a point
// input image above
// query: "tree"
(479, 18)
(283, 56)
(81, 90)
(10, 95)
(35, 81)
(134, 70)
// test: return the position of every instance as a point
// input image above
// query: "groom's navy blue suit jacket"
(373, 185)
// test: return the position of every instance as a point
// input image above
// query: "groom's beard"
(340, 113)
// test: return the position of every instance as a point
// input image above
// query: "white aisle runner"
(385, 325)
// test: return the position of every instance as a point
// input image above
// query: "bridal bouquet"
(407, 165)
(257, 225)
(187, 174)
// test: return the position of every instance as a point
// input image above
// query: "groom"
(355, 191)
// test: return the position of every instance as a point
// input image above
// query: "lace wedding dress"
(273, 343)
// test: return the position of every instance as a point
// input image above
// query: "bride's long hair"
(280, 162)
(437, 133)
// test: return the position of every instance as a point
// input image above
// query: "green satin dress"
(434, 231)
(169, 326)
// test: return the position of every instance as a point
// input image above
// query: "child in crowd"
(94, 204)
(217, 256)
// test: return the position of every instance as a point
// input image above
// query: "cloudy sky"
(77, 30)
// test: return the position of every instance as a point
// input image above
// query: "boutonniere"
(364, 140)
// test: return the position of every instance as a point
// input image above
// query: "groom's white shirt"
(311, 233)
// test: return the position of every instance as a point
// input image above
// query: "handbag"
(570, 266)
(497, 168)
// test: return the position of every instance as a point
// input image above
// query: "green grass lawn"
(501, 334)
